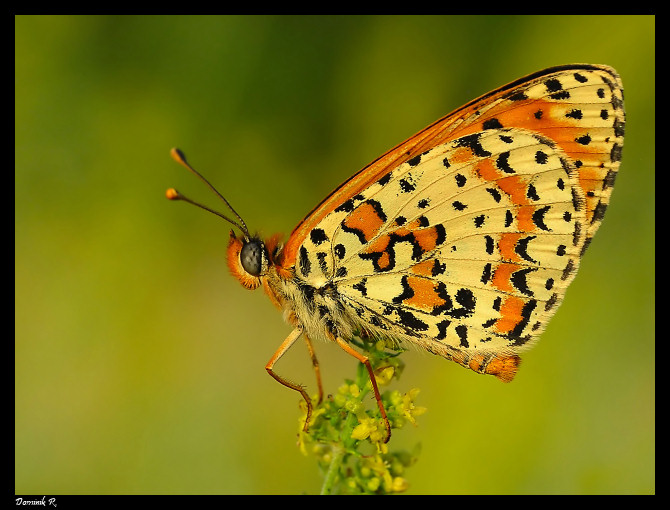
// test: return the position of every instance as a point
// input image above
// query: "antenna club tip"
(178, 155)
(172, 194)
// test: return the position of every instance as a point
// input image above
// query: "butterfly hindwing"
(467, 237)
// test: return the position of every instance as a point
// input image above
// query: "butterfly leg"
(315, 364)
(286, 344)
(363, 359)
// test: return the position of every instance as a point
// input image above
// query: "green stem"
(339, 450)
(333, 471)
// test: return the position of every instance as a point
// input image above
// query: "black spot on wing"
(538, 217)
(518, 280)
(340, 251)
(462, 332)
(521, 248)
(305, 264)
(409, 320)
(492, 124)
(407, 291)
(473, 143)
(362, 286)
(318, 236)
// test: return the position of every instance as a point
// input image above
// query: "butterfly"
(461, 240)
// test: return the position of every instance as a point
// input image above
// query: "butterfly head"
(248, 259)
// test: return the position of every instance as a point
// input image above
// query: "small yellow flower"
(399, 484)
(351, 484)
(377, 464)
(377, 436)
(353, 406)
(363, 430)
(324, 453)
(385, 375)
(409, 410)
(373, 484)
(372, 429)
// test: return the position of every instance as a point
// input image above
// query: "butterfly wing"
(578, 106)
(464, 238)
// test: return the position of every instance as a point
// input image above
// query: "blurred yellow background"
(139, 359)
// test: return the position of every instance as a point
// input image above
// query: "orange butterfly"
(462, 239)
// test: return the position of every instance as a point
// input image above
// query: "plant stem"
(333, 471)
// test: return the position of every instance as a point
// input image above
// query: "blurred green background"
(139, 359)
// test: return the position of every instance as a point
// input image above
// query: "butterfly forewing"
(579, 107)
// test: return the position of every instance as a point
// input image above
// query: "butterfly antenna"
(173, 194)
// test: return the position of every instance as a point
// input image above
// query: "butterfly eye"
(252, 257)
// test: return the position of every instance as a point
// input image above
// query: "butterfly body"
(463, 239)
